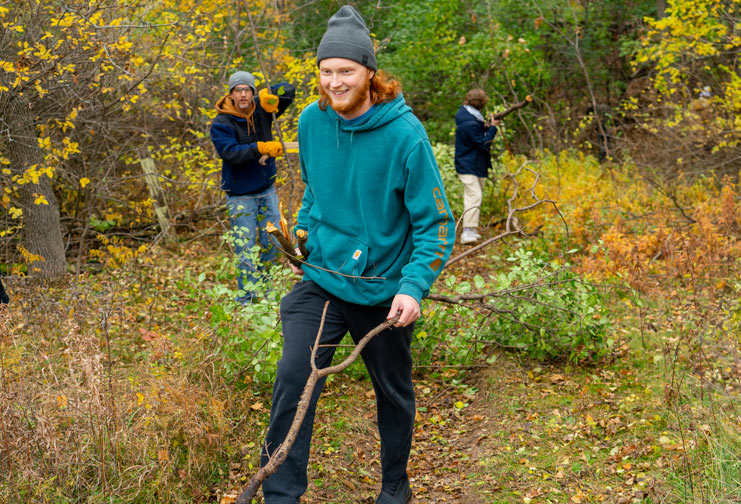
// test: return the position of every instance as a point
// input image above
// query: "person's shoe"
(468, 235)
(401, 495)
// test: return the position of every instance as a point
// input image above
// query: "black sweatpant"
(388, 361)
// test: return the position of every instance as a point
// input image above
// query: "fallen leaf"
(229, 498)
(62, 401)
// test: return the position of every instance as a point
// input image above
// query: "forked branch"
(279, 455)
(512, 226)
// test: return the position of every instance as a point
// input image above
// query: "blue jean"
(248, 215)
(387, 358)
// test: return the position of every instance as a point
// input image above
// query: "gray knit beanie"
(347, 37)
(244, 78)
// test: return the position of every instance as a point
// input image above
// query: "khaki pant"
(473, 187)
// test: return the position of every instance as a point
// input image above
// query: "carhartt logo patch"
(357, 254)
(442, 229)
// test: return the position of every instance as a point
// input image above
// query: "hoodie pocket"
(340, 252)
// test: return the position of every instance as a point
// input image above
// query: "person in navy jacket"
(473, 137)
(242, 136)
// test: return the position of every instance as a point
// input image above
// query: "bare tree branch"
(512, 226)
(279, 455)
(276, 121)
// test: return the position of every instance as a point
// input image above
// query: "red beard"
(357, 99)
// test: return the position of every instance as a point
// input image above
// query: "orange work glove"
(272, 149)
(268, 102)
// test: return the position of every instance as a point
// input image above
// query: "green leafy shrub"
(444, 333)
(445, 157)
(535, 306)
(549, 311)
(249, 335)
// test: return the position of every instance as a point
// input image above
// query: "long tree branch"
(279, 455)
(516, 106)
(276, 121)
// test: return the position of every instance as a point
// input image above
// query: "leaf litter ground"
(522, 431)
(628, 429)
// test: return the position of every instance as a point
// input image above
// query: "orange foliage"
(694, 252)
(628, 229)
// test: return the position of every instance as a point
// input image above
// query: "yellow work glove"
(272, 149)
(268, 102)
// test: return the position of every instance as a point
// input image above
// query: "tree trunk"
(42, 233)
(660, 8)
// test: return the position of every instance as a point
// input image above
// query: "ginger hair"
(384, 87)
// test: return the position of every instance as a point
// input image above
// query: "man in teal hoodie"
(379, 233)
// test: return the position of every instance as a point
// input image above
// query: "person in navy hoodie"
(242, 136)
(473, 137)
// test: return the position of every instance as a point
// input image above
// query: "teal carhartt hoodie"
(374, 206)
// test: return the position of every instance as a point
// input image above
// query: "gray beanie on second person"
(244, 78)
(347, 37)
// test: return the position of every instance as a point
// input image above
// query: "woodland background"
(588, 352)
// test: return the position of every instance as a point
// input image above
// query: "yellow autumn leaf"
(39, 199)
(84, 181)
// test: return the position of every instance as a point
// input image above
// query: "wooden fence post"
(158, 198)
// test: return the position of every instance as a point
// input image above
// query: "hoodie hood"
(464, 115)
